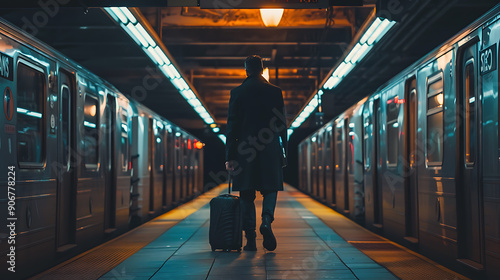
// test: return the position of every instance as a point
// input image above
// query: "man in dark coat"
(255, 123)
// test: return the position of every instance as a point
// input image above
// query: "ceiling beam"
(107, 3)
(233, 43)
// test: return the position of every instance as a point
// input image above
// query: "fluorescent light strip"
(370, 30)
(188, 94)
(130, 33)
(174, 71)
(128, 14)
(372, 35)
(112, 14)
(137, 35)
(195, 103)
(153, 55)
(363, 51)
(145, 34)
(379, 32)
(162, 55)
(199, 109)
(166, 70)
(208, 120)
(352, 53)
(119, 14)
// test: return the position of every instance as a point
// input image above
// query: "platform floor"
(314, 242)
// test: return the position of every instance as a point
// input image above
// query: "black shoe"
(266, 231)
(250, 236)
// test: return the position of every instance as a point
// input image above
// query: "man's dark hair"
(253, 64)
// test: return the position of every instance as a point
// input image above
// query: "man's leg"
(249, 218)
(268, 207)
(269, 203)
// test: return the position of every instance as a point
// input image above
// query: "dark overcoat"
(256, 121)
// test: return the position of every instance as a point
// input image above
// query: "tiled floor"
(307, 249)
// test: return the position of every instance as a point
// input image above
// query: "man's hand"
(230, 165)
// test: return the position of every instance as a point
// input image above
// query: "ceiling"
(211, 45)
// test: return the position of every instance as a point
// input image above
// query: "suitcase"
(225, 222)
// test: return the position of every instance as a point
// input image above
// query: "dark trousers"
(248, 207)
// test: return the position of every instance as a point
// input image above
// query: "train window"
(91, 132)
(30, 116)
(470, 115)
(392, 131)
(124, 139)
(339, 143)
(434, 147)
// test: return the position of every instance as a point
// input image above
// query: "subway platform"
(314, 242)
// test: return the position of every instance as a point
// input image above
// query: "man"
(256, 120)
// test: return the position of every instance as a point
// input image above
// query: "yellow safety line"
(179, 213)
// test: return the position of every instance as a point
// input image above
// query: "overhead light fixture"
(271, 17)
(376, 31)
(135, 29)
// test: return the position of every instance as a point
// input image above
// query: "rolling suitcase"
(225, 222)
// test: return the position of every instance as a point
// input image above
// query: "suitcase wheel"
(239, 250)
(213, 249)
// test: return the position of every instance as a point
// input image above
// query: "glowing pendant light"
(271, 17)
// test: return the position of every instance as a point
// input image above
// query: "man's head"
(253, 65)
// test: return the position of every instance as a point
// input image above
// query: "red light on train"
(129, 165)
(189, 144)
(198, 145)
(396, 100)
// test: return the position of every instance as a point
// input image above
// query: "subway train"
(418, 161)
(80, 162)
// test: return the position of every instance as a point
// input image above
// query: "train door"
(377, 187)
(411, 178)
(347, 163)
(66, 187)
(329, 191)
(184, 168)
(469, 189)
(177, 166)
(307, 153)
(341, 166)
(158, 176)
(109, 166)
(369, 161)
(151, 163)
(169, 166)
(321, 171)
(314, 165)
